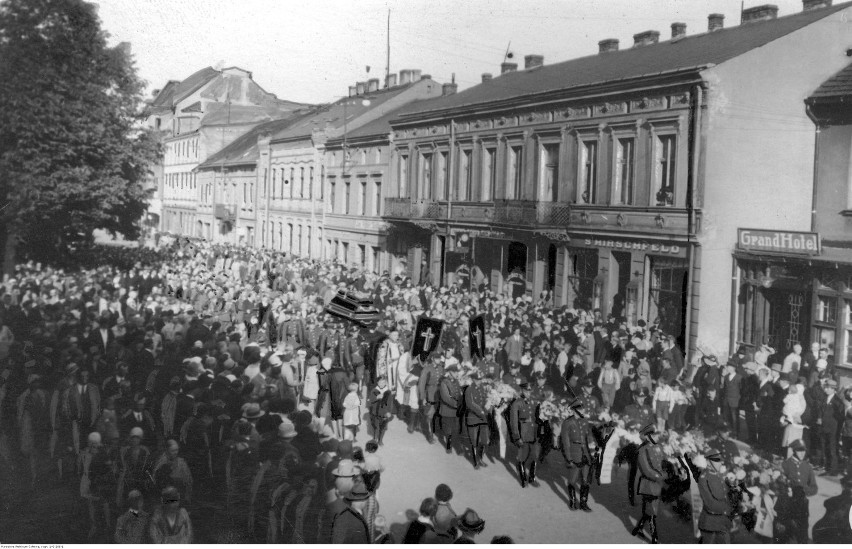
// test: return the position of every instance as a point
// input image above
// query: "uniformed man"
(650, 461)
(489, 366)
(514, 374)
(522, 432)
(291, 330)
(353, 355)
(577, 449)
(427, 387)
(799, 470)
(714, 523)
(312, 335)
(590, 402)
(450, 395)
(640, 411)
(328, 339)
(476, 419)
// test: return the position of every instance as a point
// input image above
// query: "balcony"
(502, 212)
(632, 219)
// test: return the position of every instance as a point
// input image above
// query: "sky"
(312, 51)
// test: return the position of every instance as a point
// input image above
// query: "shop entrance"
(551, 268)
(516, 264)
(619, 299)
(668, 292)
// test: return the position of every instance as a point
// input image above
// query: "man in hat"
(768, 413)
(640, 411)
(577, 443)
(798, 469)
(140, 417)
(650, 462)
(591, 404)
(313, 333)
(714, 523)
(450, 395)
(749, 387)
(469, 525)
(427, 388)
(707, 378)
(523, 431)
(830, 416)
(349, 526)
(476, 419)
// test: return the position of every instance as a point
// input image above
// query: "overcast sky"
(312, 51)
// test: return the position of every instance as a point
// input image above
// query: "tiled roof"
(698, 50)
(220, 114)
(244, 148)
(194, 81)
(380, 126)
(332, 116)
(839, 85)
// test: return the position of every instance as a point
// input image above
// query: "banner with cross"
(426, 337)
(477, 336)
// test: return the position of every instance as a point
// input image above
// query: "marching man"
(577, 444)
(650, 480)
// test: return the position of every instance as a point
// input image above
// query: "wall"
(833, 186)
(759, 151)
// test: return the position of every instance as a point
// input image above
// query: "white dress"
(406, 382)
(352, 409)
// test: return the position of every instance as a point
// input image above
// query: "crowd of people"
(161, 378)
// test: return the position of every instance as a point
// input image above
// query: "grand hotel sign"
(790, 242)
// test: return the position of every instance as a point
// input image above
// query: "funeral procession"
(262, 284)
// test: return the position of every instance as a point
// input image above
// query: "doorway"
(551, 268)
(619, 299)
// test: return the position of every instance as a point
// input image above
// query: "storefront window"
(668, 294)
(827, 310)
(581, 278)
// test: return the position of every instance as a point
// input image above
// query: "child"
(381, 409)
(351, 412)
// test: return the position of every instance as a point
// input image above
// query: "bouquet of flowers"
(499, 393)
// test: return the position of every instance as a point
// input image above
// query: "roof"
(332, 115)
(691, 52)
(379, 127)
(194, 81)
(164, 98)
(839, 85)
(243, 150)
(221, 114)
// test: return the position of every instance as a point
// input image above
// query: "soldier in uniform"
(427, 387)
(799, 470)
(639, 411)
(511, 378)
(523, 433)
(650, 480)
(450, 395)
(589, 401)
(476, 419)
(577, 449)
(353, 355)
(715, 520)
(328, 339)
(489, 366)
(312, 335)
(291, 330)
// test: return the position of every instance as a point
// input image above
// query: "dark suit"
(714, 522)
(476, 418)
(650, 479)
(576, 438)
(832, 415)
(767, 415)
(427, 393)
(523, 430)
(450, 398)
(349, 527)
(731, 402)
(749, 388)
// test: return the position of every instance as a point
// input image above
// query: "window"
(345, 252)
(299, 240)
(549, 173)
(425, 182)
(251, 193)
(622, 192)
(311, 183)
(403, 176)
(589, 171)
(846, 356)
(826, 310)
(346, 198)
(443, 166)
(322, 182)
(376, 260)
(667, 293)
(665, 170)
(265, 183)
(489, 174)
(465, 175)
(331, 193)
(581, 277)
(291, 193)
(301, 182)
(377, 206)
(514, 173)
(310, 242)
(362, 198)
(362, 256)
(274, 183)
(290, 237)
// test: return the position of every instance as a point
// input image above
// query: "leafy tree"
(73, 152)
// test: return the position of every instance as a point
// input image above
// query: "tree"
(73, 152)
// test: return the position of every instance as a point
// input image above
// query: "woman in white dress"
(405, 388)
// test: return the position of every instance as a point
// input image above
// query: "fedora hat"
(346, 468)
(252, 410)
(710, 360)
(471, 522)
(287, 430)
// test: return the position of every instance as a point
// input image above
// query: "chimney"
(391, 80)
(425, 77)
(678, 30)
(449, 88)
(808, 5)
(404, 76)
(373, 84)
(646, 38)
(715, 21)
(415, 75)
(353, 91)
(760, 13)
(533, 61)
(508, 67)
(607, 45)
(360, 88)
(486, 76)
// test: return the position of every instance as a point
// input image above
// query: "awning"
(828, 256)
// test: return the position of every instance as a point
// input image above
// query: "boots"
(482, 457)
(637, 531)
(522, 475)
(533, 481)
(584, 499)
(449, 444)
(412, 417)
(572, 498)
(654, 530)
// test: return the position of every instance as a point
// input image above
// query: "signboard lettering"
(778, 241)
(633, 246)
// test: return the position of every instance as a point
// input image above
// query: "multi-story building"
(294, 197)
(197, 117)
(617, 181)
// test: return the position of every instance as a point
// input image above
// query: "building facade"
(618, 181)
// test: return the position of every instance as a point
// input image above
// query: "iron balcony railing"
(504, 212)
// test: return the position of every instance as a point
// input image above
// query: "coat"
(427, 386)
(715, 512)
(732, 390)
(132, 527)
(800, 473)
(349, 527)
(832, 414)
(522, 421)
(475, 398)
(514, 349)
(650, 470)
(577, 439)
(160, 531)
(450, 396)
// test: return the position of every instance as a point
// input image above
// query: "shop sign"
(633, 246)
(555, 235)
(778, 241)
(483, 233)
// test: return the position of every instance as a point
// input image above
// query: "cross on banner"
(427, 338)
(476, 328)
(477, 334)
(427, 334)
